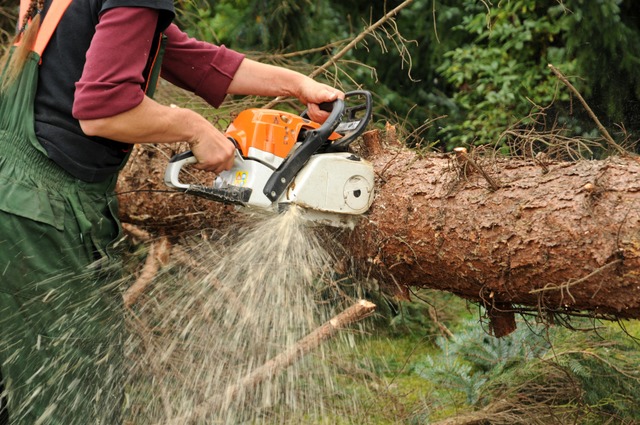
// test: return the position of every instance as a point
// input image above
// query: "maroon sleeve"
(112, 78)
(202, 68)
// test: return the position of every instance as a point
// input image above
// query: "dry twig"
(570, 283)
(593, 116)
(464, 159)
(136, 232)
(335, 58)
(356, 312)
(158, 254)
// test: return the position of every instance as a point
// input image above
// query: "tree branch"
(356, 312)
(351, 45)
(593, 116)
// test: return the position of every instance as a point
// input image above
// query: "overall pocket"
(29, 202)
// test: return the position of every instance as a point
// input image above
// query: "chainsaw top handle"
(312, 142)
(355, 119)
(357, 113)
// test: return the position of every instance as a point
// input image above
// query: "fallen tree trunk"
(558, 236)
(549, 236)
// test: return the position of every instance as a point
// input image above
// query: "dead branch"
(136, 232)
(464, 159)
(335, 58)
(158, 255)
(593, 116)
(433, 315)
(502, 318)
(356, 312)
(360, 37)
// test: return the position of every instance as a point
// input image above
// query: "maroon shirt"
(112, 79)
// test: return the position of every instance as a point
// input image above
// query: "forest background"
(454, 73)
(457, 72)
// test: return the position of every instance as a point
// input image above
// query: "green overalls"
(61, 318)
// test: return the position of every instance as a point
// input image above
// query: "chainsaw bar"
(229, 195)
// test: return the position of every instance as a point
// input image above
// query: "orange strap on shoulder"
(51, 20)
(49, 24)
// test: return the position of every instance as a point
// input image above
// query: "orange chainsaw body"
(269, 130)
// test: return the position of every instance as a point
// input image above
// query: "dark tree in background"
(475, 68)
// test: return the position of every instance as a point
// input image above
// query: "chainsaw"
(285, 159)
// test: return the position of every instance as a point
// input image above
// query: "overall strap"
(49, 24)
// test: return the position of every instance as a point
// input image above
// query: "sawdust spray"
(246, 297)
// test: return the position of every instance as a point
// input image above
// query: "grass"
(387, 374)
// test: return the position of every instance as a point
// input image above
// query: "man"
(68, 119)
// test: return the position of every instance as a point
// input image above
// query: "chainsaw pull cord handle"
(313, 141)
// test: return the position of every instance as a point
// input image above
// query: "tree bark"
(555, 237)
(563, 237)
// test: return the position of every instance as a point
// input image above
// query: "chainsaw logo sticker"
(241, 178)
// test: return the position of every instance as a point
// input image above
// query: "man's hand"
(313, 93)
(213, 151)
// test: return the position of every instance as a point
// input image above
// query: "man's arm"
(213, 71)
(151, 122)
(110, 102)
(259, 79)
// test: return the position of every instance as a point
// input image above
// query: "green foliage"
(499, 72)
(474, 67)
(398, 318)
(501, 69)
(8, 18)
(256, 24)
(591, 374)
(604, 38)
(605, 365)
(473, 358)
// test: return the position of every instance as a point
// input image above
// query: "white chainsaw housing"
(247, 173)
(337, 182)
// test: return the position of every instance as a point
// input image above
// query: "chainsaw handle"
(313, 141)
(351, 125)
(325, 106)
(353, 122)
(172, 172)
(335, 116)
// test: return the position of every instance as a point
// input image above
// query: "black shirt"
(89, 159)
